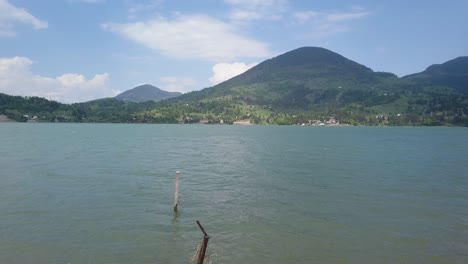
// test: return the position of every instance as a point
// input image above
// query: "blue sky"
(79, 50)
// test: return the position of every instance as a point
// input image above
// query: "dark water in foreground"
(87, 193)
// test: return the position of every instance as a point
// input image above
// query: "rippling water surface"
(103, 193)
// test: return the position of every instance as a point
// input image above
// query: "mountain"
(453, 73)
(311, 83)
(304, 78)
(312, 65)
(300, 86)
(145, 92)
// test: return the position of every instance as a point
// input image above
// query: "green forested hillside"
(300, 86)
(453, 73)
(315, 83)
(17, 107)
(144, 93)
(24, 109)
(294, 73)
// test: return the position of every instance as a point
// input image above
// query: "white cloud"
(11, 15)
(330, 16)
(16, 78)
(225, 71)
(248, 10)
(304, 16)
(346, 16)
(137, 9)
(193, 36)
(329, 22)
(380, 49)
(178, 84)
(88, 1)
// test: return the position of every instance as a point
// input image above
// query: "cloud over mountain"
(225, 71)
(192, 37)
(17, 78)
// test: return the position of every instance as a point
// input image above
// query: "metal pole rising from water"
(176, 192)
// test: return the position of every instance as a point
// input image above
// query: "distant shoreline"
(4, 118)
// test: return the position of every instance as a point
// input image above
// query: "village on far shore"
(247, 122)
(243, 122)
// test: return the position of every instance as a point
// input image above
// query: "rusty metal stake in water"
(206, 237)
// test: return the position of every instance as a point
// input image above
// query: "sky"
(80, 50)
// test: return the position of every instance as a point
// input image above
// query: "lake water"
(103, 193)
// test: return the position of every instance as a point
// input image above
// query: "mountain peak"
(305, 63)
(457, 65)
(453, 73)
(145, 92)
(312, 57)
(307, 54)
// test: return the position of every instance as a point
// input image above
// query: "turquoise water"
(103, 193)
